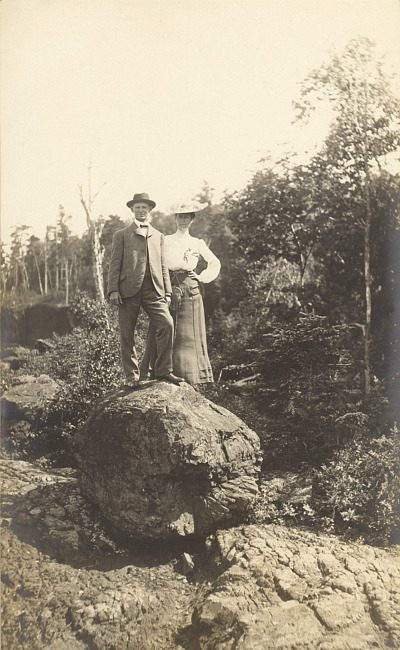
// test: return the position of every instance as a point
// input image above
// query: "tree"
(35, 252)
(277, 215)
(95, 228)
(47, 277)
(19, 270)
(4, 272)
(65, 254)
(201, 226)
(365, 127)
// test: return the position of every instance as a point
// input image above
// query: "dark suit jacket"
(128, 262)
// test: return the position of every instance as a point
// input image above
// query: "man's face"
(141, 211)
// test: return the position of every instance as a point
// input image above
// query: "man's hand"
(168, 299)
(115, 298)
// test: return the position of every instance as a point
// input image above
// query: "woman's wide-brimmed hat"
(141, 198)
(190, 206)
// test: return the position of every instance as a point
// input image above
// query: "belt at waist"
(181, 273)
(181, 277)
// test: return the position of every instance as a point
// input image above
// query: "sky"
(159, 96)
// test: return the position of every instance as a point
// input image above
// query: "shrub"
(86, 363)
(358, 491)
(307, 399)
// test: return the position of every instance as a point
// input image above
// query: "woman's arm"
(213, 264)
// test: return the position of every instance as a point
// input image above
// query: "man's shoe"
(171, 378)
(131, 383)
(150, 376)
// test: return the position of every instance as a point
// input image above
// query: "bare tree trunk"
(367, 256)
(70, 272)
(50, 280)
(368, 308)
(95, 230)
(46, 267)
(56, 263)
(25, 275)
(38, 273)
(97, 251)
(363, 124)
(74, 273)
(66, 281)
(272, 282)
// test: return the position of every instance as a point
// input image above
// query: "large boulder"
(162, 461)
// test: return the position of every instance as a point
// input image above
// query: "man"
(138, 276)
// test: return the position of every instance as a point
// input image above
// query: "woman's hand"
(193, 275)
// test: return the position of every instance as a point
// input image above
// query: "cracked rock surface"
(69, 584)
(285, 588)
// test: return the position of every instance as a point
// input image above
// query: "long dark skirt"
(190, 355)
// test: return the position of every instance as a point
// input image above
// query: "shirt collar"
(141, 224)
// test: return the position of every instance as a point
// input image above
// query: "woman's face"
(183, 221)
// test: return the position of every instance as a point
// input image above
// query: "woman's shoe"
(171, 378)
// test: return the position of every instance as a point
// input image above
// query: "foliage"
(359, 489)
(89, 314)
(359, 92)
(256, 298)
(86, 363)
(306, 396)
(366, 127)
(355, 494)
(277, 215)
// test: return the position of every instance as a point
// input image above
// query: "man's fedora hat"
(141, 198)
(191, 206)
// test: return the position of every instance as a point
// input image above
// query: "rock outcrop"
(68, 585)
(35, 322)
(42, 320)
(13, 328)
(27, 396)
(285, 588)
(162, 462)
(38, 321)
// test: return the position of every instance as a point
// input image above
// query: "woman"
(182, 254)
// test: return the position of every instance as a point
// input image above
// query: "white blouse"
(182, 253)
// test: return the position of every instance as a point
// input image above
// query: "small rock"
(186, 564)
(44, 345)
